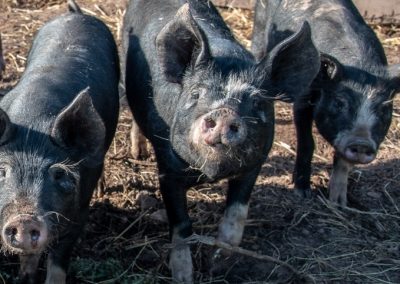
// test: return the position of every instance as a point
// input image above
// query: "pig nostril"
(11, 232)
(354, 149)
(210, 123)
(361, 149)
(35, 235)
(234, 128)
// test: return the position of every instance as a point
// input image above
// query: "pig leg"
(28, 267)
(237, 204)
(174, 196)
(59, 256)
(55, 273)
(138, 142)
(338, 181)
(180, 260)
(303, 118)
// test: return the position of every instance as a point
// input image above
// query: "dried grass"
(329, 244)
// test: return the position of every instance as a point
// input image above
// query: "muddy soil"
(126, 238)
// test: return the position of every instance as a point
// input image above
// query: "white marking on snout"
(362, 125)
(235, 85)
(233, 88)
(232, 225)
(180, 261)
(365, 115)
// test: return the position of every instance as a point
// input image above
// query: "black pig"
(55, 128)
(351, 99)
(206, 106)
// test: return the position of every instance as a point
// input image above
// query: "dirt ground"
(126, 238)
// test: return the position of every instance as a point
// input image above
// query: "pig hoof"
(303, 192)
(221, 261)
(180, 263)
(339, 201)
(221, 255)
(140, 152)
(26, 279)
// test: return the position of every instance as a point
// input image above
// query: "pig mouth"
(220, 161)
(355, 158)
(358, 152)
(356, 149)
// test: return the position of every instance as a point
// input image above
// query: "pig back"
(70, 53)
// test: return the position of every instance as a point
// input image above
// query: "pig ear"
(293, 64)
(6, 128)
(179, 44)
(394, 73)
(80, 130)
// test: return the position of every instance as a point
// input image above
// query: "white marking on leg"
(180, 261)
(232, 226)
(338, 182)
(55, 274)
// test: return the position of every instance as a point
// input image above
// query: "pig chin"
(220, 161)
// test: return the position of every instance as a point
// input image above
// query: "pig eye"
(340, 103)
(3, 172)
(195, 95)
(259, 105)
(63, 179)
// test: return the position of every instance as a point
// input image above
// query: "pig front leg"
(59, 256)
(55, 273)
(303, 118)
(174, 196)
(237, 204)
(28, 267)
(338, 181)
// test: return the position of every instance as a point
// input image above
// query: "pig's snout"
(360, 151)
(25, 234)
(223, 126)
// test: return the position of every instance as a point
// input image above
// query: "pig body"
(206, 106)
(56, 126)
(351, 98)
